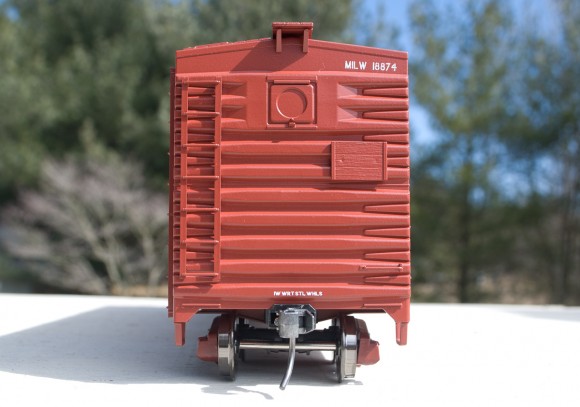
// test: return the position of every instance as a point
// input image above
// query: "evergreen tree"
(68, 67)
(458, 75)
(545, 140)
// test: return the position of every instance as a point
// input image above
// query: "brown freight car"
(289, 195)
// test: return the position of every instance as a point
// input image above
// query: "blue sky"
(396, 14)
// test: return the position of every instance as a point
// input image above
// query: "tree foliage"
(231, 20)
(458, 77)
(545, 136)
(495, 194)
(503, 176)
(69, 67)
(66, 63)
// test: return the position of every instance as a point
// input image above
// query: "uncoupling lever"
(292, 321)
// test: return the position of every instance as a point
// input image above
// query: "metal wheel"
(336, 322)
(347, 349)
(227, 346)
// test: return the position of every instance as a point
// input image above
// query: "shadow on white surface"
(126, 345)
(458, 355)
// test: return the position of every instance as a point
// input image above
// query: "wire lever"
(291, 357)
(292, 321)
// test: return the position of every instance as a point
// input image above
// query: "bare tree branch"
(92, 227)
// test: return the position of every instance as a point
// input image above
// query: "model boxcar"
(289, 195)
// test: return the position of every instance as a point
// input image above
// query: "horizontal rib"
(390, 138)
(400, 115)
(312, 195)
(353, 268)
(267, 148)
(399, 208)
(387, 92)
(312, 219)
(361, 103)
(378, 125)
(367, 81)
(273, 171)
(311, 243)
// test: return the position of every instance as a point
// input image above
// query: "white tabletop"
(109, 351)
